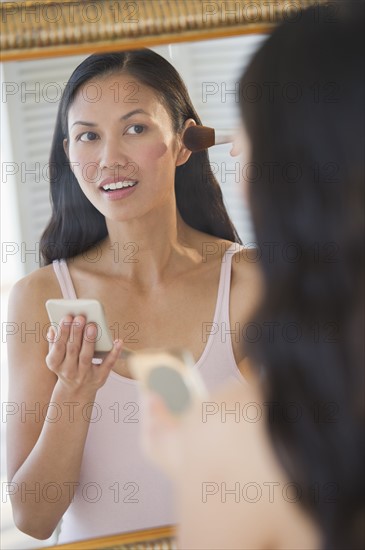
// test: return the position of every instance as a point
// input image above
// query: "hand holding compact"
(71, 351)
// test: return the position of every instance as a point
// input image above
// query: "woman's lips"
(117, 194)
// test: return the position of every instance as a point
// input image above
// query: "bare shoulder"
(41, 279)
(35, 288)
(245, 265)
(246, 285)
(246, 275)
(245, 261)
(27, 320)
(246, 282)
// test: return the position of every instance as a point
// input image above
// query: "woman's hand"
(169, 439)
(70, 355)
(161, 433)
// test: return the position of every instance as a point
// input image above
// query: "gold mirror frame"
(36, 29)
(160, 538)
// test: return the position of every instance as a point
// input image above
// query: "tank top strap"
(64, 278)
(223, 316)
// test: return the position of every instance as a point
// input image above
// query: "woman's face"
(122, 147)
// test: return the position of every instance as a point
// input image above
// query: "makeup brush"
(198, 138)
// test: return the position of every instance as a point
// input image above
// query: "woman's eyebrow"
(135, 112)
(124, 117)
(83, 123)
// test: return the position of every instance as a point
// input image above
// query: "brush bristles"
(198, 138)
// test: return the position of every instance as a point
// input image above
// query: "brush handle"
(223, 138)
(223, 135)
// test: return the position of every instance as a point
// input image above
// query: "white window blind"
(31, 92)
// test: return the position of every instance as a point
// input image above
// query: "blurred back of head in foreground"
(302, 102)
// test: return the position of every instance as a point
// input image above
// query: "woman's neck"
(147, 249)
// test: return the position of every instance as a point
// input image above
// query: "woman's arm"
(47, 429)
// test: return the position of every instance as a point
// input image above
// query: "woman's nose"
(112, 155)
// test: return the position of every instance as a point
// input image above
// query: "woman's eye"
(135, 129)
(88, 136)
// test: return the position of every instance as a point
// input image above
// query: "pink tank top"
(119, 490)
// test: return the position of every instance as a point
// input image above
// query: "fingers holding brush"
(237, 145)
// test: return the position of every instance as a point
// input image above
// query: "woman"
(139, 224)
(280, 464)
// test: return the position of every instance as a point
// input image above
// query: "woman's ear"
(183, 152)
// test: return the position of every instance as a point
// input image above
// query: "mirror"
(208, 42)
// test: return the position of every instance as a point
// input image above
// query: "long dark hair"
(76, 224)
(302, 106)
